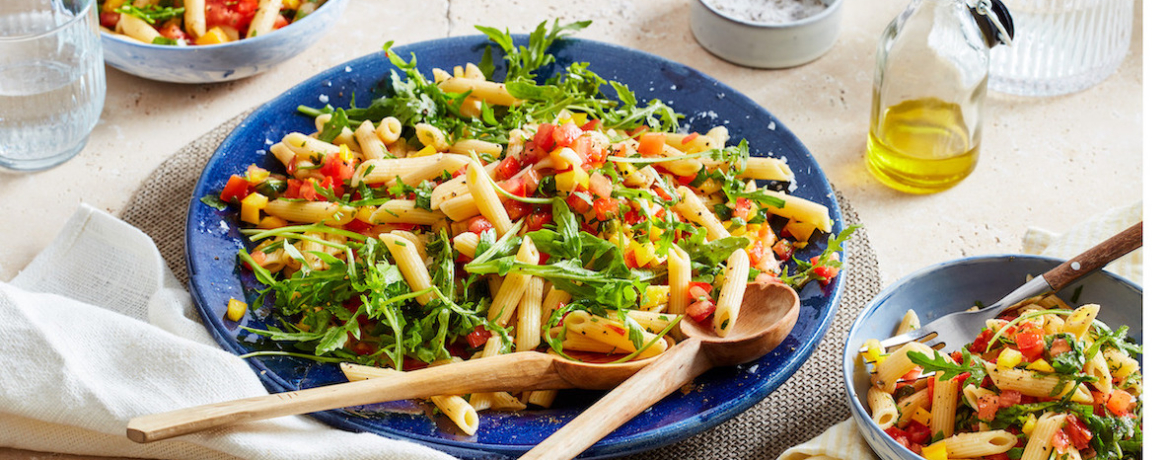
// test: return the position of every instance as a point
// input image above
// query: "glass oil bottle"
(931, 79)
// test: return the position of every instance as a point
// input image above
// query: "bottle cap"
(995, 21)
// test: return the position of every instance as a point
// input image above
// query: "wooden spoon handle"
(667, 373)
(510, 372)
(1096, 257)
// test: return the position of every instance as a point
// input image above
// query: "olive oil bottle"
(921, 146)
(929, 86)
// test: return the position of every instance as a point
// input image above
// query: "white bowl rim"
(254, 40)
(858, 411)
(832, 7)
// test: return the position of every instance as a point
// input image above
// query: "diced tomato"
(699, 291)
(478, 337)
(358, 226)
(1008, 398)
(565, 134)
(281, 21)
(690, 137)
(531, 154)
(756, 253)
(507, 168)
(544, 137)
(478, 225)
(1118, 403)
(309, 189)
(591, 125)
(700, 310)
(236, 14)
(999, 456)
(929, 388)
(1030, 344)
(980, 343)
(1059, 347)
(651, 144)
(173, 30)
(899, 435)
(235, 190)
(618, 329)
(957, 356)
(988, 405)
(661, 193)
(918, 433)
(743, 206)
(458, 172)
(542, 258)
(335, 167)
(579, 200)
(538, 219)
(605, 208)
(633, 217)
(1077, 432)
(600, 185)
(1060, 440)
(517, 209)
(109, 20)
(589, 150)
(783, 249)
(293, 189)
(826, 272)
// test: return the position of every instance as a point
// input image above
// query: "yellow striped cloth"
(1086, 234)
(840, 442)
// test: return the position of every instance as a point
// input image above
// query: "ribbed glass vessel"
(1061, 46)
(52, 80)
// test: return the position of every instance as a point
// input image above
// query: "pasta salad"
(1042, 381)
(200, 22)
(457, 218)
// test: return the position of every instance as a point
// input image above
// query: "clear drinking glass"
(52, 81)
(1061, 46)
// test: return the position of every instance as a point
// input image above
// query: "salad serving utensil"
(952, 331)
(766, 317)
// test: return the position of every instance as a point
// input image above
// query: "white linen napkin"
(96, 331)
(844, 442)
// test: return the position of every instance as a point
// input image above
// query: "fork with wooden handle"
(954, 330)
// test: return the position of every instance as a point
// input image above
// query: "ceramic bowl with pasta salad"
(207, 41)
(453, 217)
(1055, 376)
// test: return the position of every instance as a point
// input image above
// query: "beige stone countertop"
(1048, 162)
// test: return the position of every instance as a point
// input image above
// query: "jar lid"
(994, 20)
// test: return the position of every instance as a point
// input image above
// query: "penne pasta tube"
(330, 213)
(281, 151)
(410, 263)
(692, 209)
(308, 148)
(412, 171)
(137, 29)
(456, 187)
(389, 130)
(689, 142)
(486, 199)
(431, 136)
(454, 407)
(980, 444)
(1081, 320)
(943, 405)
(487, 91)
(801, 210)
(505, 301)
(265, 19)
(528, 315)
(611, 333)
(910, 404)
(1039, 444)
(555, 299)
(731, 294)
(195, 17)
(653, 322)
(542, 398)
(1036, 384)
(403, 212)
(465, 243)
(471, 146)
(882, 408)
(898, 364)
(371, 146)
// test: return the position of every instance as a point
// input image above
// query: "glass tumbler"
(52, 81)
(1061, 46)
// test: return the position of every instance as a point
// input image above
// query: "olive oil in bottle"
(921, 146)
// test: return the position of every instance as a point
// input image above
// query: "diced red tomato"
(281, 21)
(591, 125)
(918, 433)
(538, 219)
(756, 253)
(690, 137)
(335, 167)
(1060, 440)
(826, 272)
(109, 20)
(633, 217)
(358, 226)
(173, 30)
(600, 185)
(1030, 344)
(1077, 432)
(743, 206)
(1059, 347)
(988, 405)
(589, 150)
(478, 337)
(1118, 403)
(293, 189)
(236, 14)
(900, 436)
(517, 209)
(579, 200)
(565, 134)
(507, 168)
(980, 343)
(999, 456)
(1009, 398)
(618, 329)
(605, 208)
(544, 137)
(478, 225)
(700, 310)
(531, 154)
(661, 193)
(235, 190)
(783, 249)
(699, 291)
(651, 144)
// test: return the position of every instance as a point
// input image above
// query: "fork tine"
(904, 338)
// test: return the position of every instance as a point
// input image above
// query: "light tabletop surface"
(1045, 162)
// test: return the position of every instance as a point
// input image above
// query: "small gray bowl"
(766, 46)
(224, 62)
(954, 286)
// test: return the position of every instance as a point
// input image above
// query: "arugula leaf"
(333, 128)
(807, 271)
(948, 370)
(213, 200)
(1069, 362)
(150, 13)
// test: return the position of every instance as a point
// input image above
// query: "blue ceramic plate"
(954, 286)
(213, 239)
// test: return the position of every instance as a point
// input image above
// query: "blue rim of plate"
(213, 238)
(860, 413)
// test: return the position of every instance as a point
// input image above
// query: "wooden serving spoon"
(764, 322)
(766, 317)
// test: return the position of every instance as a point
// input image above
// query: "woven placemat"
(809, 403)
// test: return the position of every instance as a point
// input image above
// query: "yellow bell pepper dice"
(921, 416)
(1009, 358)
(873, 351)
(215, 36)
(346, 154)
(569, 180)
(251, 206)
(936, 451)
(236, 309)
(1040, 365)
